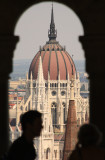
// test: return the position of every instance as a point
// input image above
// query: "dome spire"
(52, 33)
(52, 15)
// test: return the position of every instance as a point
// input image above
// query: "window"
(63, 93)
(53, 84)
(34, 84)
(55, 153)
(60, 154)
(53, 93)
(21, 107)
(64, 112)
(54, 113)
(26, 109)
(46, 84)
(48, 153)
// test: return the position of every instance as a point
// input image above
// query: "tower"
(71, 126)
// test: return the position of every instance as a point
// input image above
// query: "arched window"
(48, 153)
(82, 120)
(26, 109)
(54, 113)
(34, 85)
(64, 112)
(60, 154)
(55, 153)
(21, 108)
(46, 84)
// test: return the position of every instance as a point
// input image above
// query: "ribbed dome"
(55, 59)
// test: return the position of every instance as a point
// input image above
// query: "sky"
(32, 28)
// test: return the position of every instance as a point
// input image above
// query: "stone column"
(7, 46)
(94, 46)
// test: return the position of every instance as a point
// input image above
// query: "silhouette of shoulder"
(21, 149)
(88, 153)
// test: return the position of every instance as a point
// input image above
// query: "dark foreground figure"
(87, 148)
(23, 147)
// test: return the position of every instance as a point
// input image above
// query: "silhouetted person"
(23, 147)
(87, 147)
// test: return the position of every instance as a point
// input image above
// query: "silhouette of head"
(89, 135)
(31, 121)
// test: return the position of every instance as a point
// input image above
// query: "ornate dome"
(55, 59)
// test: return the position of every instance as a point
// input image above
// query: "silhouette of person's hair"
(23, 147)
(87, 147)
(29, 117)
(89, 135)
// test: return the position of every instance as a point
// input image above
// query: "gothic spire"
(52, 15)
(52, 33)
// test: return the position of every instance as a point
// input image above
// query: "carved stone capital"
(94, 47)
(7, 47)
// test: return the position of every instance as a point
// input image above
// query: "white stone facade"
(51, 98)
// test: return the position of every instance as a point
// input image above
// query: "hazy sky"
(33, 26)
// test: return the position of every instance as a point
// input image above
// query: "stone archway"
(92, 15)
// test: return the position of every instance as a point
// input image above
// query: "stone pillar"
(7, 46)
(94, 46)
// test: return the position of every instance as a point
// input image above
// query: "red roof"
(54, 59)
(11, 104)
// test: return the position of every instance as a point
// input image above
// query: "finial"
(52, 4)
(52, 33)
(72, 89)
(40, 50)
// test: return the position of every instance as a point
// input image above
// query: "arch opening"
(32, 34)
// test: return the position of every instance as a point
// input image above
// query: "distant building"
(51, 76)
